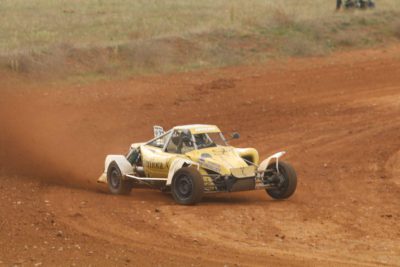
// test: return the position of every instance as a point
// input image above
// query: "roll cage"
(174, 140)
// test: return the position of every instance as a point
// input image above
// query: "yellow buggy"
(191, 160)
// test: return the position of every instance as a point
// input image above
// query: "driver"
(202, 140)
(187, 143)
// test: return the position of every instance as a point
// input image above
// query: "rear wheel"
(284, 180)
(187, 186)
(116, 184)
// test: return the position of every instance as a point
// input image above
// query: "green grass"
(108, 36)
(33, 24)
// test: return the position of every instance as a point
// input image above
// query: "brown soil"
(338, 118)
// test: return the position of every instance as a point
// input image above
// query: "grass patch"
(110, 37)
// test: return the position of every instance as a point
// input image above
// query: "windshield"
(205, 140)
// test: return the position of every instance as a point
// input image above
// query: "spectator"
(338, 4)
(363, 4)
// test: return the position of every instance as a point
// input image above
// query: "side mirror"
(235, 135)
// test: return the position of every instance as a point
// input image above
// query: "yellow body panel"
(218, 159)
(249, 154)
(223, 160)
(156, 162)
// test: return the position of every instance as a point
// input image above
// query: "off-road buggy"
(191, 160)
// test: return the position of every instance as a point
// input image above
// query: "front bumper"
(242, 184)
(244, 172)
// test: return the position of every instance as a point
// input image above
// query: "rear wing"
(158, 131)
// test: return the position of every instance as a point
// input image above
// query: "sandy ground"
(338, 117)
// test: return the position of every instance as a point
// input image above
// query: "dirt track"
(338, 118)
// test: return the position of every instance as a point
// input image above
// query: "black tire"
(287, 187)
(187, 186)
(116, 184)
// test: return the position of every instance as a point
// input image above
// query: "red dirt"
(338, 118)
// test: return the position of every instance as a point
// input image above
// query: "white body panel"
(122, 162)
(264, 164)
(176, 165)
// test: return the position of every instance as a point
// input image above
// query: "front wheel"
(187, 186)
(116, 184)
(284, 180)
